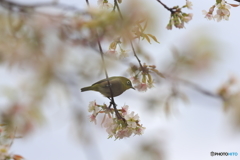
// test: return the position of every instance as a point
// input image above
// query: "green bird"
(118, 86)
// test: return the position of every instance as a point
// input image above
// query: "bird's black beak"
(133, 88)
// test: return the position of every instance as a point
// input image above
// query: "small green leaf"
(140, 27)
(113, 45)
(141, 21)
(218, 1)
(145, 36)
(148, 39)
(145, 26)
(153, 37)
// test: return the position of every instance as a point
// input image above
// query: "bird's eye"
(128, 82)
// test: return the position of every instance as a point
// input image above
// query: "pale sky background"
(191, 134)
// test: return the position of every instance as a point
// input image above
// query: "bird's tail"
(86, 89)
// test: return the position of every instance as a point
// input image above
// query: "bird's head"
(126, 83)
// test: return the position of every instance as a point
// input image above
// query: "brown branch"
(119, 11)
(188, 83)
(135, 54)
(195, 86)
(23, 7)
(133, 49)
(87, 2)
(107, 78)
(112, 102)
(200, 89)
(165, 6)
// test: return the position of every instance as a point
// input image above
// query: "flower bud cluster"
(5, 144)
(116, 50)
(230, 93)
(229, 88)
(116, 127)
(104, 4)
(141, 76)
(179, 18)
(222, 13)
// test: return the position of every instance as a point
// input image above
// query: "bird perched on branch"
(118, 86)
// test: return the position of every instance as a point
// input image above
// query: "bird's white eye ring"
(128, 82)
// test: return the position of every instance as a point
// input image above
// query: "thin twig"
(188, 83)
(87, 2)
(119, 11)
(165, 6)
(194, 86)
(135, 54)
(23, 7)
(200, 89)
(133, 49)
(112, 102)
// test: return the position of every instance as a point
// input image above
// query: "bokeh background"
(186, 130)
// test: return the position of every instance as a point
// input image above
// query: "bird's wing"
(116, 87)
(104, 80)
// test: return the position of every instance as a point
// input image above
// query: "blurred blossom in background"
(187, 90)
